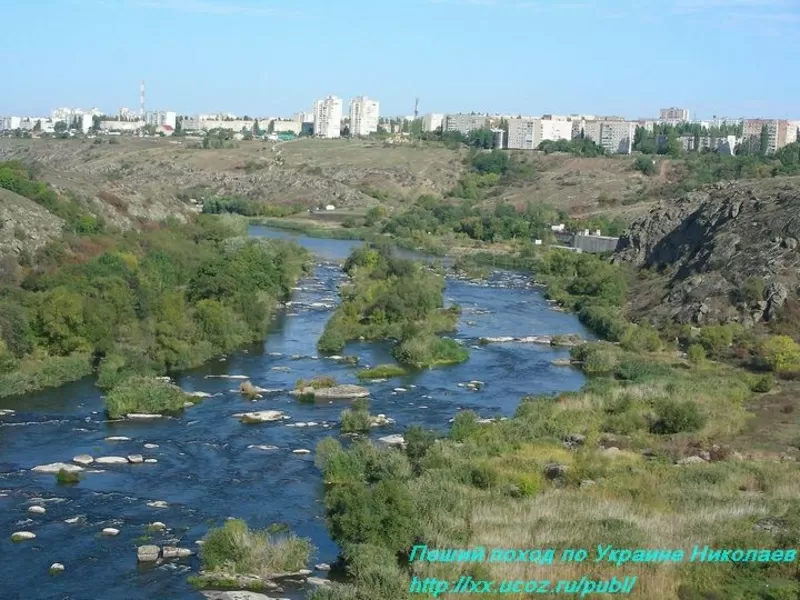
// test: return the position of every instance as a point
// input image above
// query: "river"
(208, 467)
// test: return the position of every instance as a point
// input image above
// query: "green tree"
(763, 142)
(271, 127)
(38, 126)
(781, 353)
(60, 127)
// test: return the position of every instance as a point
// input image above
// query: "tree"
(256, 129)
(781, 353)
(96, 120)
(271, 127)
(645, 165)
(763, 143)
(60, 127)
(38, 127)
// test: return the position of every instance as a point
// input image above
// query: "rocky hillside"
(24, 224)
(725, 253)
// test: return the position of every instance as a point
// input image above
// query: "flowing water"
(209, 466)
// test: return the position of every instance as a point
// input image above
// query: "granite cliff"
(726, 253)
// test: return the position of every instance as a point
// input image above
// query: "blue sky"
(271, 57)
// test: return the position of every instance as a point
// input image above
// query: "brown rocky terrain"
(726, 253)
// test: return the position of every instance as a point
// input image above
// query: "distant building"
(208, 122)
(780, 133)
(674, 115)
(587, 242)
(10, 123)
(303, 116)
(432, 121)
(283, 126)
(725, 144)
(615, 137)
(121, 125)
(364, 115)
(328, 117)
(498, 138)
(465, 123)
(527, 134)
(158, 118)
(85, 122)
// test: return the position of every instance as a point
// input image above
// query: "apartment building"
(208, 122)
(364, 115)
(527, 134)
(724, 145)
(674, 115)
(615, 137)
(287, 126)
(10, 123)
(303, 116)
(159, 118)
(328, 117)
(465, 123)
(781, 133)
(432, 121)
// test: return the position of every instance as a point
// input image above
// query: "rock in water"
(21, 536)
(147, 553)
(393, 440)
(118, 438)
(301, 451)
(56, 568)
(112, 460)
(56, 467)
(157, 504)
(38, 510)
(83, 459)
(110, 531)
(263, 416)
(135, 459)
(173, 552)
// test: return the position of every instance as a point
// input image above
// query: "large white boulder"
(56, 467)
(262, 416)
(111, 460)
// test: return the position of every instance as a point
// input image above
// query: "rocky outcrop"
(262, 416)
(54, 468)
(340, 392)
(727, 253)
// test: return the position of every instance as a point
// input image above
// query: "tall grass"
(38, 374)
(144, 395)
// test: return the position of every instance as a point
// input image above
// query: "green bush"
(464, 425)
(236, 549)
(65, 477)
(427, 350)
(355, 421)
(641, 338)
(763, 384)
(696, 354)
(381, 372)
(37, 374)
(674, 416)
(144, 395)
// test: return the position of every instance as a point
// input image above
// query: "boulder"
(322, 567)
(143, 416)
(174, 552)
(240, 595)
(56, 568)
(262, 416)
(157, 526)
(6, 412)
(157, 504)
(555, 470)
(54, 468)
(21, 536)
(118, 438)
(147, 553)
(198, 394)
(111, 460)
(72, 520)
(339, 392)
(318, 581)
(83, 459)
(301, 451)
(393, 440)
(151, 461)
(135, 459)
(261, 447)
(37, 510)
(151, 446)
(110, 531)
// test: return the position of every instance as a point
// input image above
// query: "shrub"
(318, 383)
(144, 395)
(464, 425)
(418, 442)
(639, 338)
(763, 384)
(696, 354)
(596, 358)
(381, 515)
(483, 477)
(381, 372)
(675, 417)
(428, 350)
(355, 421)
(781, 353)
(235, 549)
(644, 165)
(51, 371)
(65, 477)
(716, 339)
(248, 390)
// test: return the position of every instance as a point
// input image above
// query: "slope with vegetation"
(167, 298)
(397, 299)
(654, 452)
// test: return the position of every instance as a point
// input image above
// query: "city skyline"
(206, 55)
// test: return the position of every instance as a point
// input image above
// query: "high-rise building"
(328, 117)
(615, 137)
(780, 133)
(364, 114)
(674, 115)
(465, 123)
(161, 117)
(432, 121)
(527, 134)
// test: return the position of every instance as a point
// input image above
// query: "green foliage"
(381, 372)
(65, 477)
(644, 165)
(139, 394)
(763, 384)
(716, 339)
(578, 147)
(465, 424)
(36, 373)
(674, 416)
(249, 208)
(235, 549)
(356, 419)
(393, 298)
(641, 338)
(781, 353)
(696, 354)
(318, 383)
